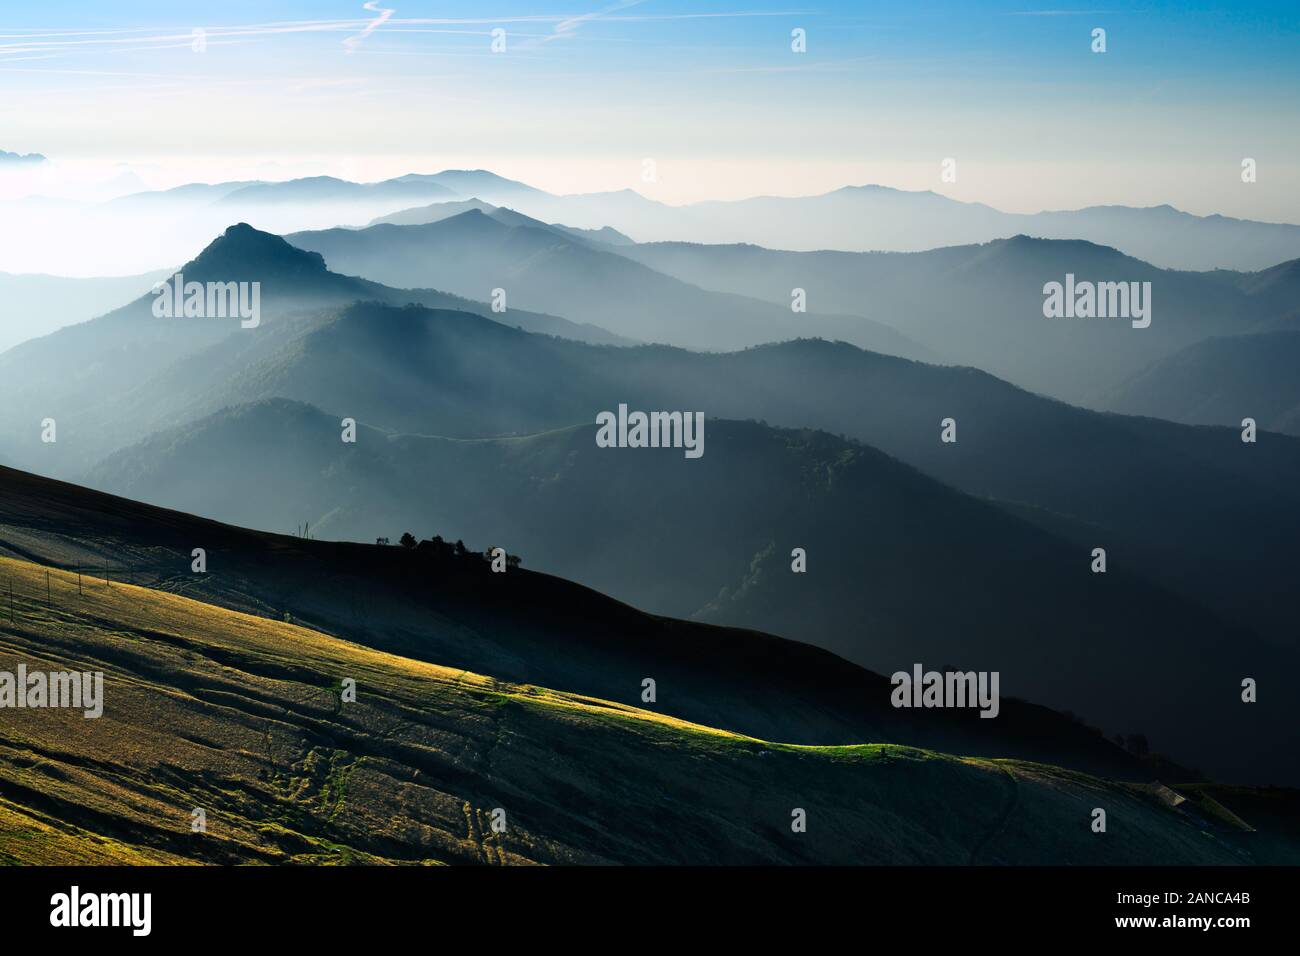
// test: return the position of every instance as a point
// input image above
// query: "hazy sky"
(711, 90)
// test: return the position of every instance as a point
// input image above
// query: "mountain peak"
(244, 252)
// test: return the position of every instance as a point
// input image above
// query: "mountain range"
(167, 225)
(983, 305)
(543, 267)
(1056, 482)
(1134, 482)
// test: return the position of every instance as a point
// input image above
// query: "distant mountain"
(871, 217)
(167, 225)
(143, 230)
(1221, 381)
(982, 305)
(191, 194)
(473, 182)
(540, 267)
(36, 305)
(329, 189)
(436, 212)
(900, 569)
(14, 159)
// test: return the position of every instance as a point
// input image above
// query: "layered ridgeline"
(1135, 487)
(900, 569)
(35, 305)
(974, 305)
(129, 372)
(170, 224)
(250, 723)
(438, 211)
(983, 305)
(860, 218)
(548, 268)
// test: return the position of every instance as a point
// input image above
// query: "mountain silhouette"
(541, 267)
(982, 305)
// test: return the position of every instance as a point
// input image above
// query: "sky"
(584, 92)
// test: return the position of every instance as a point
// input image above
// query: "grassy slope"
(211, 708)
(524, 627)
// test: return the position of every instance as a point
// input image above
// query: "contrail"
(353, 42)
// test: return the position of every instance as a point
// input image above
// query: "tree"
(408, 540)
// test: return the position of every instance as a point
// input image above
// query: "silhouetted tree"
(408, 540)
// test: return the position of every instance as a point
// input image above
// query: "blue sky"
(711, 91)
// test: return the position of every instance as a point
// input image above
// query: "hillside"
(1221, 381)
(456, 614)
(712, 538)
(242, 717)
